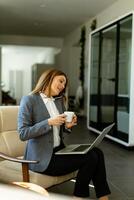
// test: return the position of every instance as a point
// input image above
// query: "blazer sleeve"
(27, 128)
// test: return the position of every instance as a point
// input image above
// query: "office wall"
(70, 59)
(119, 8)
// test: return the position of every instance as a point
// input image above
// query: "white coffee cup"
(69, 116)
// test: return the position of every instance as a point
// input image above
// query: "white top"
(50, 105)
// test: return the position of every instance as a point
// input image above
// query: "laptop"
(84, 148)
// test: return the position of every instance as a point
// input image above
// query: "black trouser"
(90, 166)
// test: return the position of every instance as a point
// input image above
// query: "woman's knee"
(92, 156)
(99, 152)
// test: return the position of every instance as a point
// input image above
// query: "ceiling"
(49, 18)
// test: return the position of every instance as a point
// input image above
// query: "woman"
(41, 121)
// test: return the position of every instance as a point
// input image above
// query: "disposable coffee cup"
(69, 116)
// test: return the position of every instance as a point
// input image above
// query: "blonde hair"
(46, 80)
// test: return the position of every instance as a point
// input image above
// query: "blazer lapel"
(43, 107)
(58, 105)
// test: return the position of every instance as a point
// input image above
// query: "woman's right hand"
(57, 120)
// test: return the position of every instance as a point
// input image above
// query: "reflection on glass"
(94, 78)
(110, 77)
(108, 68)
(124, 76)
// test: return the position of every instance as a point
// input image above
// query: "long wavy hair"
(46, 80)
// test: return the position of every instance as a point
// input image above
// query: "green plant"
(82, 55)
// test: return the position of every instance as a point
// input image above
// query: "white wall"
(119, 8)
(70, 59)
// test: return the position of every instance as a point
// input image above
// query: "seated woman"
(41, 121)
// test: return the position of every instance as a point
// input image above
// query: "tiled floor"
(119, 164)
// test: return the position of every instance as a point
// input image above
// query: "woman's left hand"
(72, 123)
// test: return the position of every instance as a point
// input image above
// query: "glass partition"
(109, 83)
(125, 41)
(94, 101)
(108, 75)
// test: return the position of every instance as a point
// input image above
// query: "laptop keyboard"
(81, 147)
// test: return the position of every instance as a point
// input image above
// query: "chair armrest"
(19, 160)
(25, 168)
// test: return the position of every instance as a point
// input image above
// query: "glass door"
(108, 76)
(94, 80)
(125, 44)
(109, 85)
(102, 78)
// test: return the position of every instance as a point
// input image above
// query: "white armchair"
(13, 168)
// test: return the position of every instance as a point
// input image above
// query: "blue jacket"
(33, 127)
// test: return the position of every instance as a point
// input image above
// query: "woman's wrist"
(49, 121)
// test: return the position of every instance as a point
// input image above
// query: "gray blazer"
(33, 127)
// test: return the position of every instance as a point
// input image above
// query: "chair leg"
(25, 172)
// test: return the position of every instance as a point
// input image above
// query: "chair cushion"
(11, 144)
(3, 147)
(8, 114)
